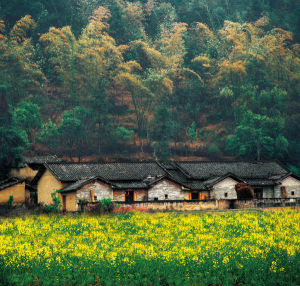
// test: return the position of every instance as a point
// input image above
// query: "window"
(226, 195)
(156, 199)
(292, 193)
(95, 198)
(166, 196)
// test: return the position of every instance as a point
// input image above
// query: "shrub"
(83, 204)
(56, 205)
(10, 201)
(107, 205)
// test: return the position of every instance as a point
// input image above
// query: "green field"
(233, 248)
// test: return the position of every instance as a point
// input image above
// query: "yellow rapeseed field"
(250, 248)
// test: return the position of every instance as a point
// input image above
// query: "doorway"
(64, 200)
(258, 193)
(129, 197)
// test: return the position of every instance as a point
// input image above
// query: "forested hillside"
(150, 79)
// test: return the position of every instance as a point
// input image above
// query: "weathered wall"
(24, 173)
(141, 195)
(268, 192)
(223, 187)
(291, 185)
(175, 206)
(47, 185)
(17, 191)
(101, 191)
(244, 204)
(163, 188)
(118, 196)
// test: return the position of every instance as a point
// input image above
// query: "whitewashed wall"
(225, 186)
(291, 185)
(268, 192)
(163, 188)
(100, 190)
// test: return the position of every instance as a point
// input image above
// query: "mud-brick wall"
(141, 195)
(118, 196)
(17, 191)
(163, 188)
(244, 204)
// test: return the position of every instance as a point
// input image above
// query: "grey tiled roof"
(244, 170)
(131, 185)
(109, 171)
(195, 175)
(260, 182)
(80, 183)
(40, 159)
(10, 182)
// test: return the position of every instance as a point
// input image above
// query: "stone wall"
(101, 191)
(227, 186)
(165, 188)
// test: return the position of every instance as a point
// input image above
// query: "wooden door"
(64, 200)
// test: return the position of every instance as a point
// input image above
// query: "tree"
(191, 132)
(13, 141)
(161, 133)
(27, 117)
(258, 135)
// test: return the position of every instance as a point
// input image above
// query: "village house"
(13, 187)
(30, 166)
(156, 181)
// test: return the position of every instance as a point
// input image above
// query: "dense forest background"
(113, 79)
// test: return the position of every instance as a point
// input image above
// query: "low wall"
(181, 205)
(186, 205)
(269, 203)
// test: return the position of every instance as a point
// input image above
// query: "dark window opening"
(129, 197)
(293, 193)
(258, 193)
(156, 199)
(226, 195)
(195, 196)
(95, 198)
(166, 196)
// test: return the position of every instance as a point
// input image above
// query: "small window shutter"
(190, 196)
(200, 196)
(92, 194)
(134, 196)
(123, 197)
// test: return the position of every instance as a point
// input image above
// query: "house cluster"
(39, 177)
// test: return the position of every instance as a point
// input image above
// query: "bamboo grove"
(153, 79)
